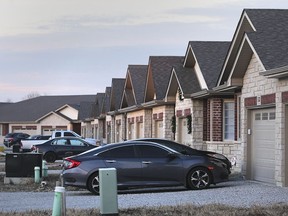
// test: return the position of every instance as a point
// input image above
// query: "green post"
(44, 169)
(59, 205)
(37, 174)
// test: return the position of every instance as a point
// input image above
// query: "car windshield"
(9, 135)
(94, 150)
(180, 148)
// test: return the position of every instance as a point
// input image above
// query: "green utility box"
(108, 191)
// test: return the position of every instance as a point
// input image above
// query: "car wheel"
(199, 178)
(50, 157)
(93, 183)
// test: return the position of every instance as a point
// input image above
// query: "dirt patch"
(32, 187)
(207, 210)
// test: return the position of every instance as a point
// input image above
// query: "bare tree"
(31, 95)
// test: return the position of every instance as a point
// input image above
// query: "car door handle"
(111, 161)
(146, 162)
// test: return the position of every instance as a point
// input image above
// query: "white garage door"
(27, 131)
(182, 130)
(140, 130)
(47, 131)
(159, 129)
(263, 145)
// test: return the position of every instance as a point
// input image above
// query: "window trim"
(231, 101)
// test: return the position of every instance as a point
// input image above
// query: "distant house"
(191, 89)
(43, 114)
(159, 70)
(97, 126)
(129, 118)
(144, 111)
(114, 129)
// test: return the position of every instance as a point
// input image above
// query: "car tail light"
(210, 167)
(69, 163)
(10, 140)
(34, 149)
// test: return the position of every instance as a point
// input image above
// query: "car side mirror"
(184, 152)
(172, 156)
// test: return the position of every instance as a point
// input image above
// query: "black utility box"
(16, 148)
(22, 164)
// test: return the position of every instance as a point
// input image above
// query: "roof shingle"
(32, 109)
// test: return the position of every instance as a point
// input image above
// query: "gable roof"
(159, 71)
(202, 66)
(270, 38)
(86, 110)
(209, 57)
(32, 109)
(134, 86)
(56, 114)
(106, 101)
(117, 89)
(262, 32)
(97, 106)
(187, 80)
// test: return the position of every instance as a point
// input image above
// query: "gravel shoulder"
(232, 193)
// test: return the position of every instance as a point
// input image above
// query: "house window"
(239, 117)
(228, 120)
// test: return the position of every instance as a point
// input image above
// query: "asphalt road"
(233, 193)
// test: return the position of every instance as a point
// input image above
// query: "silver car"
(143, 164)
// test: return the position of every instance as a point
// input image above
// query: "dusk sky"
(72, 47)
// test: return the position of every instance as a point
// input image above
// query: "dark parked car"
(187, 150)
(61, 147)
(14, 138)
(142, 164)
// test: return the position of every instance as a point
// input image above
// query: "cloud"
(65, 47)
(39, 17)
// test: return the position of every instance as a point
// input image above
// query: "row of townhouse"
(228, 97)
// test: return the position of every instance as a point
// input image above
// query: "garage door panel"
(259, 150)
(263, 145)
(265, 137)
(263, 163)
(266, 157)
(264, 175)
(264, 153)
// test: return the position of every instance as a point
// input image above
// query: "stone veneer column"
(280, 141)
(197, 124)
(169, 112)
(123, 132)
(147, 123)
(113, 129)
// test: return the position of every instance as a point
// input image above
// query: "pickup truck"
(26, 144)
